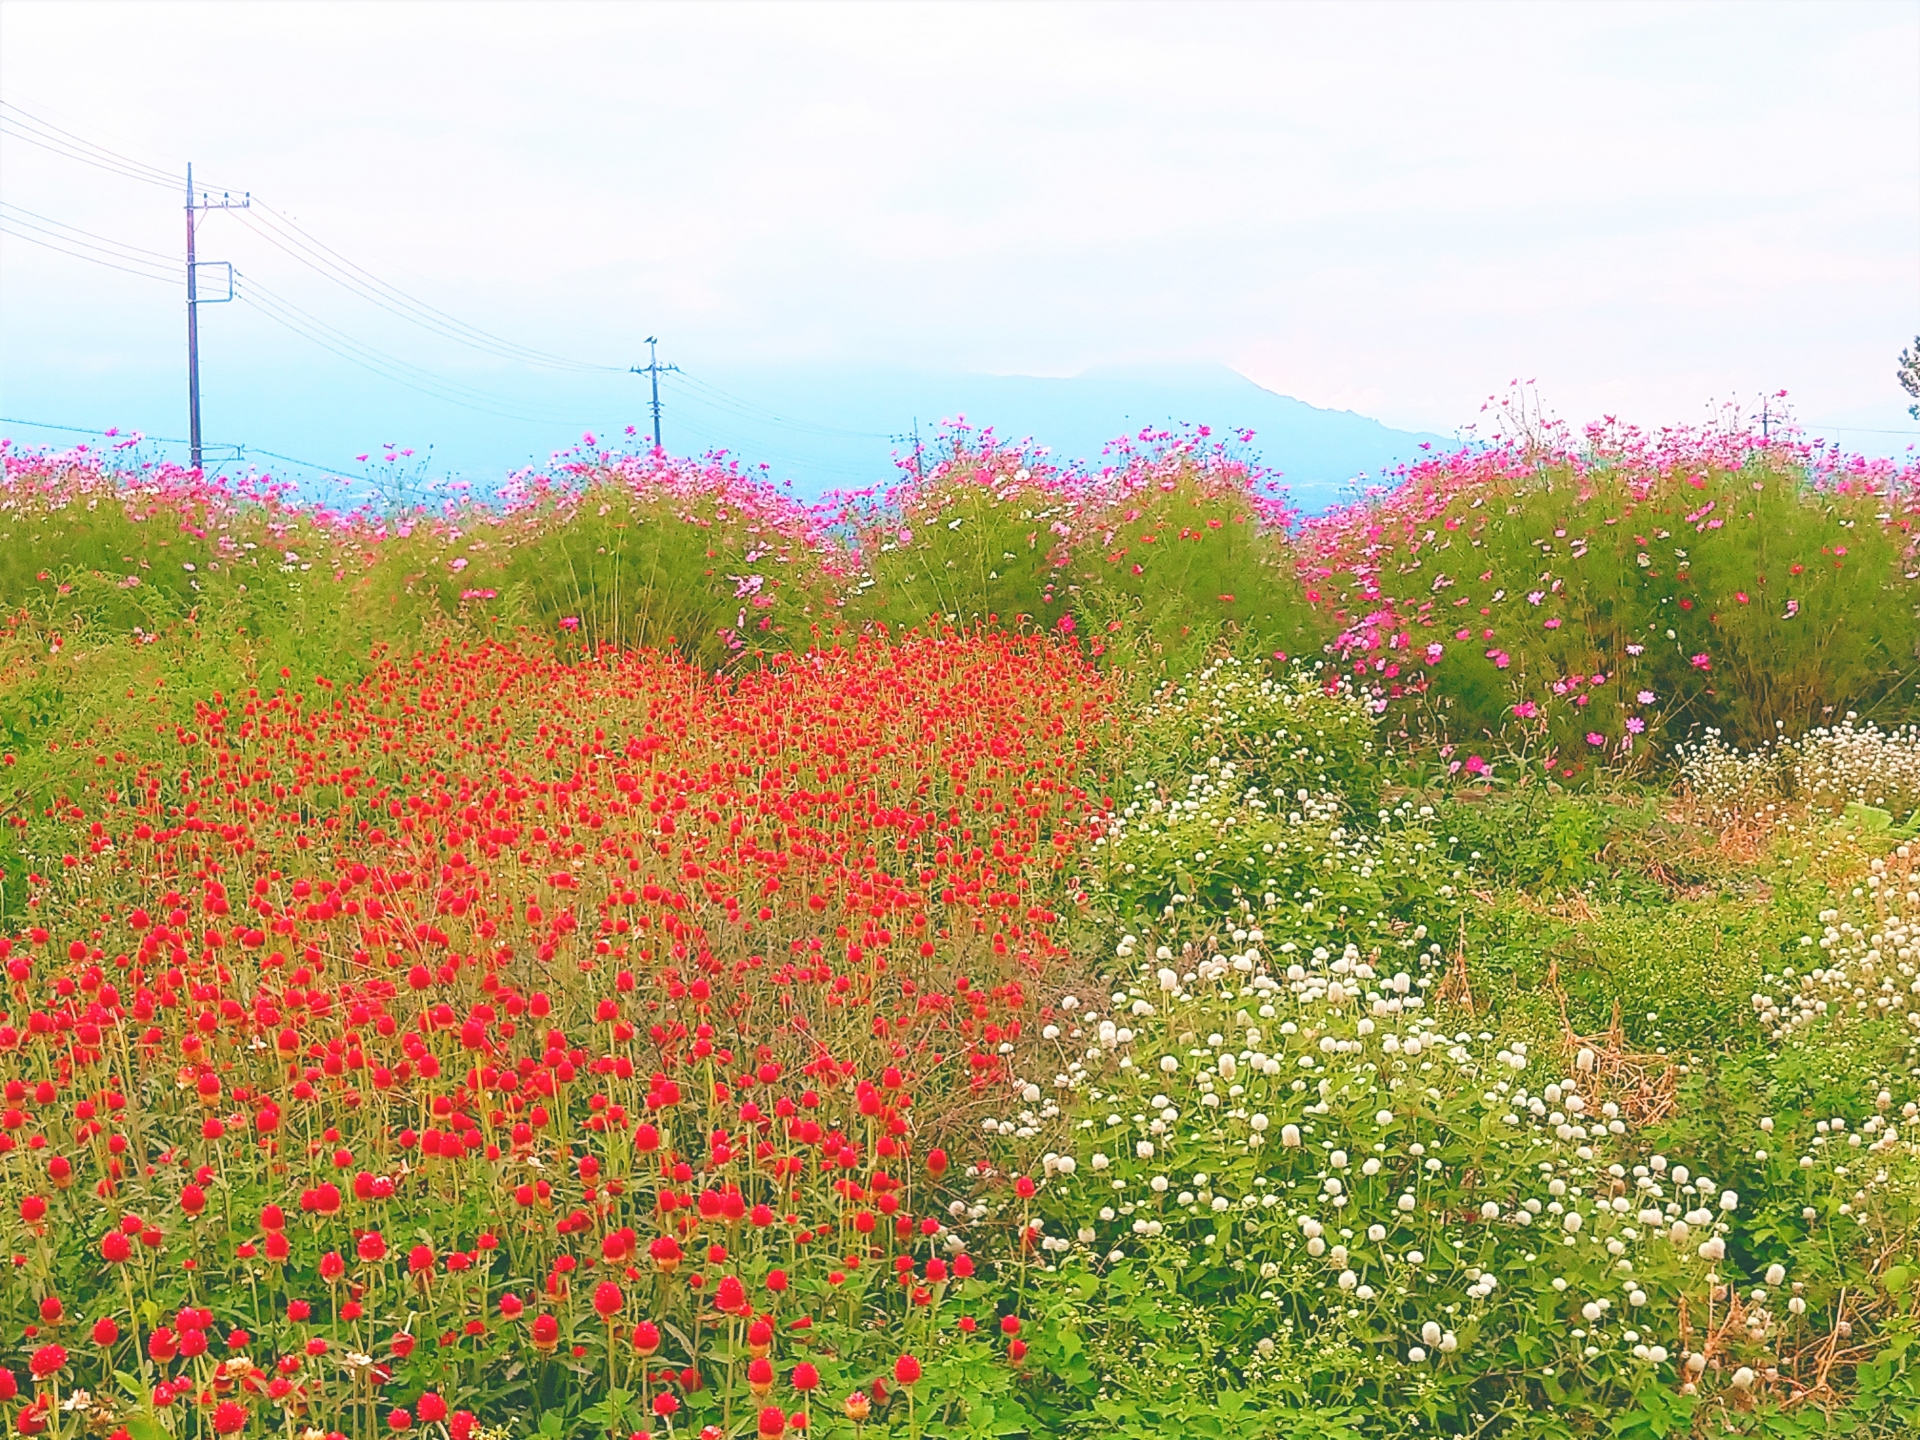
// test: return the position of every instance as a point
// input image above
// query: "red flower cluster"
(536, 1009)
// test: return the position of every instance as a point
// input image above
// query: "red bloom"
(229, 1418)
(546, 1332)
(906, 1370)
(105, 1330)
(607, 1299)
(773, 1422)
(805, 1377)
(48, 1361)
(398, 1419)
(431, 1407)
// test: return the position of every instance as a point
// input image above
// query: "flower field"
(1038, 951)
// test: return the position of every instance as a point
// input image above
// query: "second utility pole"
(652, 369)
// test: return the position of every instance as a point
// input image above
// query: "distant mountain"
(830, 428)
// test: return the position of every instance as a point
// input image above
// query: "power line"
(7, 228)
(103, 241)
(388, 367)
(285, 235)
(168, 440)
(747, 409)
(23, 116)
(31, 132)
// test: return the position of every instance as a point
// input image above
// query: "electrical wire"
(288, 309)
(747, 409)
(282, 233)
(400, 372)
(13, 130)
(24, 115)
(104, 240)
(6, 228)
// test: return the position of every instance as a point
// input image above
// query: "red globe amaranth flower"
(33, 1209)
(373, 1246)
(462, 1426)
(760, 1375)
(398, 1419)
(665, 1405)
(106, 1330)
(402, 1344)
(646, 1339)
(936, 1161)
(48, 1361)
(906, 1370)
(545, 1333)
(431, 1408)
(52, 1312)
(607, 1299)
(1017, 1351)
(773, 1422)
(229, 1418)
(115, 1248)
(805, 1377)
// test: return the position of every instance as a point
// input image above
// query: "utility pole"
(194, 302)
(918, 470)
(653, 369)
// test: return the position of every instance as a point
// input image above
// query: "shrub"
(1624, 591)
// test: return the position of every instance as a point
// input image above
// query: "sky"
(1396, 210)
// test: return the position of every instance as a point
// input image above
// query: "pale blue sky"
(1395, 209)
